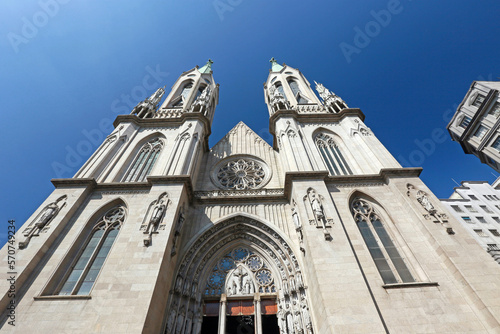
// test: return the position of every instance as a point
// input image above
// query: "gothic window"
(182, 99)
(280, 89)
(241, 173)
(388, 261)
(144, 162)
(88, 263)
(297, 93)
(332, 156)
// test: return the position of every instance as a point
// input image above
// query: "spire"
(275, 67)
(207, 68)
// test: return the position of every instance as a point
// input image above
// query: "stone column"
(222, 314)
(258, 314)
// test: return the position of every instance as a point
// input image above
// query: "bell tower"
(342, 144)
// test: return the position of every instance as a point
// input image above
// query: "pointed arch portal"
(239, 276)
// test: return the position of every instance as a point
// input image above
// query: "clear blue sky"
(66, 66)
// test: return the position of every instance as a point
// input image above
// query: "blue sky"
(68, 66)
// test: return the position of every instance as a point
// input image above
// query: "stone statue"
(281, 319)
(171, 320)
(42, 220)
(177, 233)
(180, 321)
(297, 323)
(296, 221)
(156, 218)
(202, 102)
(236, 282)
(300, 282)
(305, 315)
(316, 207)
(424, 201)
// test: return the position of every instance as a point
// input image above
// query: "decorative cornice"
(240, 195)
(382, 177)
(170, 122)
(314, 117)
(127, 186)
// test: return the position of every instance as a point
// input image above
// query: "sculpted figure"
(316, 206)
(424, 201)
(44, 218)
(295, 217)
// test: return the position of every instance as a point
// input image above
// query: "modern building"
(476, 204)
(322, 232)
(476, 123)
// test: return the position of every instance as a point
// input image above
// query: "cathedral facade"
(323, 232)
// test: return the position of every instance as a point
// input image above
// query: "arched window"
(388, 261)
(280, 89)
(144, 162)
(88, 263)
(333, 158)
(184, 95)
(297, 93)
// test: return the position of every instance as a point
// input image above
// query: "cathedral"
(322, 232)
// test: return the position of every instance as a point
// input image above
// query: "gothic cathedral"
(324, 232)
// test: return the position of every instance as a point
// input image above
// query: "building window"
(388, 261)
(480, 132)
(88, 263)
(456, 208)
(480, 233)
(332, 156)
(482, 220)
(467, 220)
(299, 96)
(144, 162)
(495, 233)
(478, 100)
(465, 122)
(493, 247)
(496, 144)
(486, 209)
(472, 197)
(495, 110)
(496, 219)
(470, 208)
(280, 89)
(182, 98)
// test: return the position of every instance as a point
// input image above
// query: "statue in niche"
(318, 212)
(248, 285)
(281, 318)
(297, 323)
(189, 321)
(171, 319)
(42, 220)
(305, 315)
(180, 321)
(424, 201)
(156, 218)
(298, 227)
(300, 282)
(177, 233)
(289, 318)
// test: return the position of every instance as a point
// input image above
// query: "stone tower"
(324, 232)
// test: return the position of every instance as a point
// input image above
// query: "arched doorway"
(240, 276)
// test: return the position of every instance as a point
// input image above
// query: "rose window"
(241, 174)
(254, 262)
(264, 277)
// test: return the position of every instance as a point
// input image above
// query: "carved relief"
(42, 220)
(153, 220)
